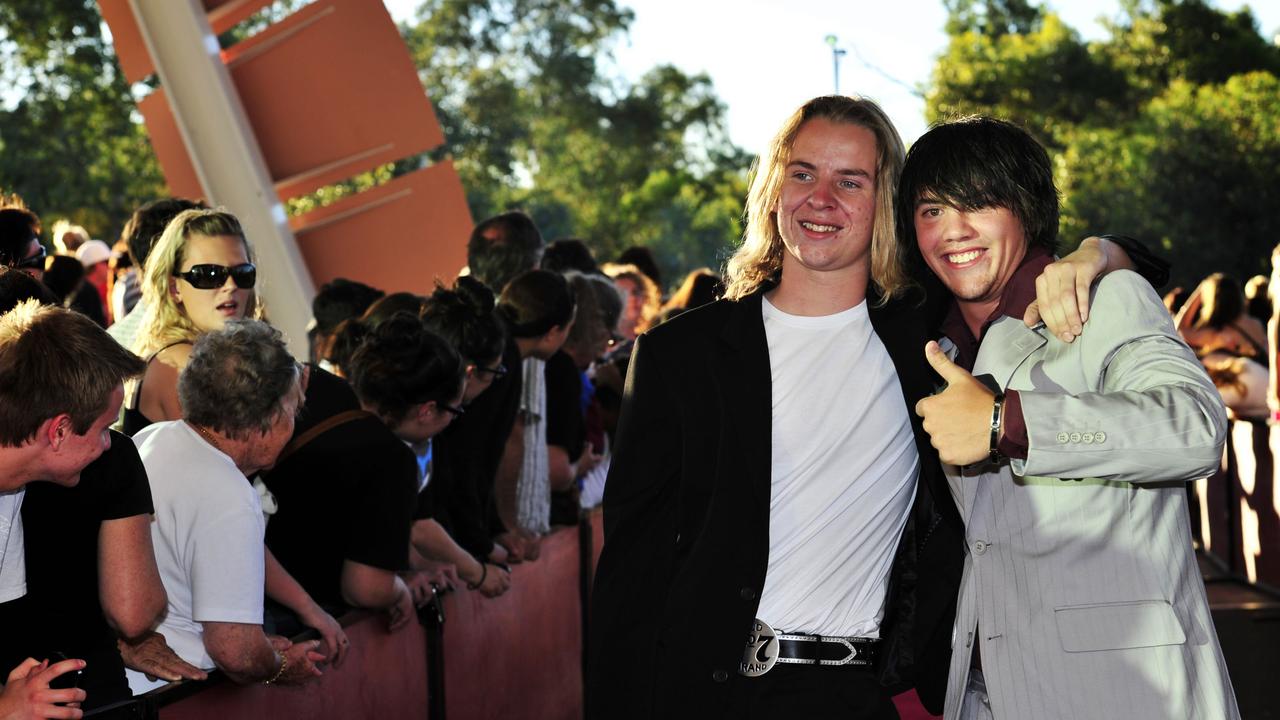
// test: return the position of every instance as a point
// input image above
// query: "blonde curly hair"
(759, 258)
(165, 321)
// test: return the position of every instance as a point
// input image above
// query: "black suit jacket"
(686, 515)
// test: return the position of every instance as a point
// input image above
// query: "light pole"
(836, 54)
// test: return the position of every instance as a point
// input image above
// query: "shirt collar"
(1018, 294)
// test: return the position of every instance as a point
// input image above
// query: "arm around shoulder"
(1147, 411)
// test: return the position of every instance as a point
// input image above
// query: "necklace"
(208, 436)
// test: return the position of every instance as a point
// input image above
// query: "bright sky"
(767, 57)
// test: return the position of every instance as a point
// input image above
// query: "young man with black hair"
(1081, 596)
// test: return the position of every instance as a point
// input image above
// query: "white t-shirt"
(843, 476)
(208, 533)
(13, 561)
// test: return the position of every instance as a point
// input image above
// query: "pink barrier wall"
(384, 676)
(1240, 506)
(519, 656)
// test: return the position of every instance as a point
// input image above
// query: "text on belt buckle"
(761, 653)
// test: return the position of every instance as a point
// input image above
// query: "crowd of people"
(781, 467)
(204, 495)
(1227, 325)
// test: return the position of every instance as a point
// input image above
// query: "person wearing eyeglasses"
(413, 381)
(200, 275)
(20, 246)
(449, 521)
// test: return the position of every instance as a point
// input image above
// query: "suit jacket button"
(1063, 437)
(1099, 437)
(1087, 438)
(719, 676)
(1075, 437)
(747, 593)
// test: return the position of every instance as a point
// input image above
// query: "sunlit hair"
(55, 361)
(536, 302)
(649, 291)
(700, 287)
(238, 379)
(1222, 302)
(589, 333)
(165, 321)
(759, 258)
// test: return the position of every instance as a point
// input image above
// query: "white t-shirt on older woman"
(207, 535)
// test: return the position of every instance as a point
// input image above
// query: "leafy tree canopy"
(1166, 130)
(71, 143)
(534, 121)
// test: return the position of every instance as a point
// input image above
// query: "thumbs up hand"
(958, 419)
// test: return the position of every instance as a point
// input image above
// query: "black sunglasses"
(212, 277)
(35, 262)
(497, 372)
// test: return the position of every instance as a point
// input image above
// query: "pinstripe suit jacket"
(1080, 583)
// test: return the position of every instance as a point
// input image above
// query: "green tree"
(1046, 79)
(1165, 130)
(1198, 173)
(71, 142)
(992, 18)
(533, 121)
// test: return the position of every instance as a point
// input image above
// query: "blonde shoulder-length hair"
(165, 321)
(759, 258)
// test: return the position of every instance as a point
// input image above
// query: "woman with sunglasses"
(199, 275)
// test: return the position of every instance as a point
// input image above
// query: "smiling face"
(974, 252)
(209, 310)
(826, 206)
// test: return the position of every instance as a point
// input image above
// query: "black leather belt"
(766, 648)
(822, 650)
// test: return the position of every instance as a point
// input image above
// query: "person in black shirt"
(355, 480)
(449, 511)
(91, 574)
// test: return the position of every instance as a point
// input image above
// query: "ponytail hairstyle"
(467, 318)
(401, 364)
(535, 302)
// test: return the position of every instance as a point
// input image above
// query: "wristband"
(284, 663)
(997, 410)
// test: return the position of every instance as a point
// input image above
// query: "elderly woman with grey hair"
(240, 392)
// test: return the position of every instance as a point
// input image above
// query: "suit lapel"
(1007, 344)
(743, 362)
(1005, 347)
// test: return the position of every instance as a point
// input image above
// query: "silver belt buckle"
(761, 653)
